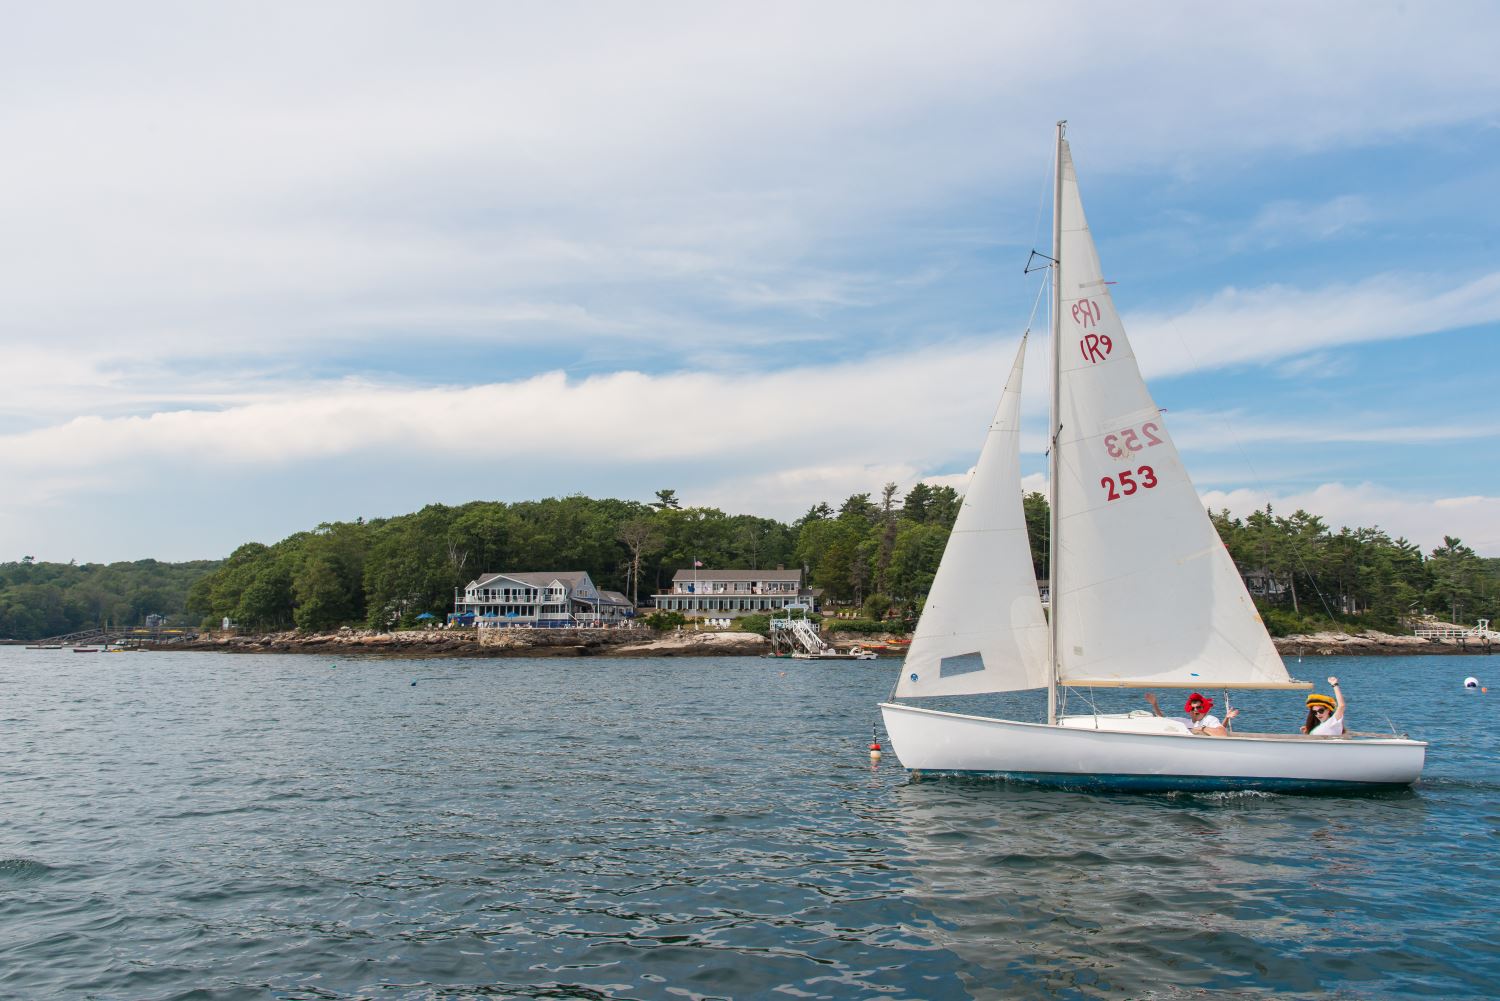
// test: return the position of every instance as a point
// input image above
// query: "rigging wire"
(1041, 202)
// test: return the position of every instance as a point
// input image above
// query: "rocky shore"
(644, 643)
(422, 643)
(1372, 643)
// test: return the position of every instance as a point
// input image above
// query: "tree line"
(51, 599)
(876, 554)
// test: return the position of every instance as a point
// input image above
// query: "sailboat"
(1143, 593)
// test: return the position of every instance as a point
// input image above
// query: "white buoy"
(1471, 683)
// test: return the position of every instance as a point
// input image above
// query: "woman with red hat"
(1325, 716)
(1197, 719)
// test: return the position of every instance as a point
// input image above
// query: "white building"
(547, 599)
(733, 593)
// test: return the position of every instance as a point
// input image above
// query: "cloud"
(1317, 365)
(1286, 221)
(764, 420)
(241, 182)
(1239, 326)
(310, 237)
(1212, 430)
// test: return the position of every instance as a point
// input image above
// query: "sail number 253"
(1124, 483)
(1128, 442)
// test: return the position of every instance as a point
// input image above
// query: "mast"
(1052, 490)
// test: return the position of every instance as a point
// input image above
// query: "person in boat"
(1197, 719)
(1325, 716)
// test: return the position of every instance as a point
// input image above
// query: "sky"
(264, 266)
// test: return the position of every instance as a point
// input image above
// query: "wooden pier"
(1480, 635)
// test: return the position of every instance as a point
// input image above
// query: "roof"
(572, 578)
(702, 573)
(615, 598)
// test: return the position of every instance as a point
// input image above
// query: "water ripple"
(22, 870)
(195, 826)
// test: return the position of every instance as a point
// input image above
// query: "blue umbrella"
(426, 615)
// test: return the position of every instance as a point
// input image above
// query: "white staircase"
(796, 635)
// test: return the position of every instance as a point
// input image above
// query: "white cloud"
(172, 186)
(1287, 221)
(1237, 430)
(1237, 326)
(771, 423)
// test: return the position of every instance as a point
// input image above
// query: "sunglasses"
(1320, 711)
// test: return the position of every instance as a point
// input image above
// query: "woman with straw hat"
(1325, 716)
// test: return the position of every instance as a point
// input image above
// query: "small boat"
(853, 653)
(85, 649)
(1143, 592)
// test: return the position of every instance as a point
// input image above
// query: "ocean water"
(184, 825)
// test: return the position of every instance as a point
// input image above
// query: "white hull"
(1076, 755)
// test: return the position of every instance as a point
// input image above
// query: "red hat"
(1196, 699)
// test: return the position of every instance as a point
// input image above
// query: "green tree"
(1035, 509)
(915, 558)
(641, 537)
(914, 507)
(1457, 575)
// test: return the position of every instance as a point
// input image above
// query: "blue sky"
(268, 267)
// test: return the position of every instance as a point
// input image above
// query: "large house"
(733, 593)
(548, 599)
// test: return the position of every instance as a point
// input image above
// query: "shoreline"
(441, 644)
(436, 643)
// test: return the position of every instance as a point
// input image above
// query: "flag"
(697, 563)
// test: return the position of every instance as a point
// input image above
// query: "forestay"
(982, 629)
(1144, 590)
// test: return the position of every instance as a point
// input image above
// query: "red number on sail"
(1128, 485)
(1128, 442)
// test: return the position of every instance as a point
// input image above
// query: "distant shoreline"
(443, 643)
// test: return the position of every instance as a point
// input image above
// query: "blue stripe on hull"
(1166, 783)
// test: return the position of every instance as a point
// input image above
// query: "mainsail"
(1144, 590)
(982, 629)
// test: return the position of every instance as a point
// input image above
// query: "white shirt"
(1205, 722)
(1333, 726)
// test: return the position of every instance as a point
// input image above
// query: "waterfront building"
(732, 593)
(546, 599)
